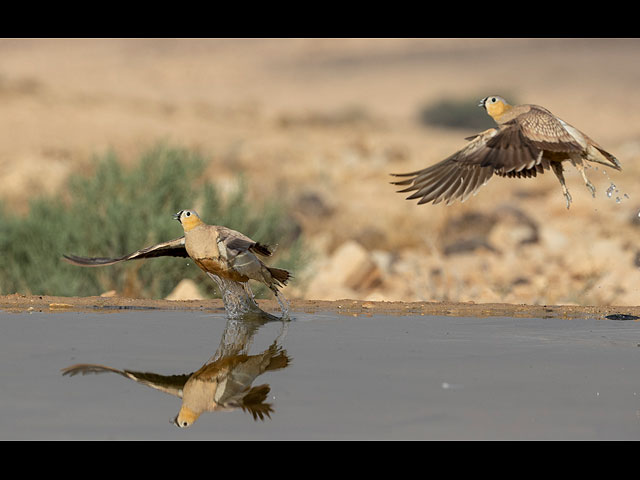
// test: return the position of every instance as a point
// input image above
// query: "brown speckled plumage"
(529, 139)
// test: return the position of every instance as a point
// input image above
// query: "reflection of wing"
(171, 384)
(172, 248)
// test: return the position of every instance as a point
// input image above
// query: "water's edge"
(46, 303)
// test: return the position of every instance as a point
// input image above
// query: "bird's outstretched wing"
(172, 248)
(457, 176)
(171, 384)
(511, 150)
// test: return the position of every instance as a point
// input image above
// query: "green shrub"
(116, 211)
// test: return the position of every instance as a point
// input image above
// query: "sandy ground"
(329, 119)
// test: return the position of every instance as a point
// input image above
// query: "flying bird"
(217, 250)
(528, 140)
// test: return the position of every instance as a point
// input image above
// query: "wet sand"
(18, 303)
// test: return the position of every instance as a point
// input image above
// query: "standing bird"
(222, 253)
(529, 139)
(228, 254)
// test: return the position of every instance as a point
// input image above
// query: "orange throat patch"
(497, 110)
(190, 223)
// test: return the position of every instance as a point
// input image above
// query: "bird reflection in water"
(224, 382)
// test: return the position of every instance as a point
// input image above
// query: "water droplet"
(617, 199)
(610, 190)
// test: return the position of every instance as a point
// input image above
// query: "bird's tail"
(611, 160)
(280, 275)
(615, 163)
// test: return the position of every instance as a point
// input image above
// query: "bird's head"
(185, 418)
(188, 219)
(495, 106)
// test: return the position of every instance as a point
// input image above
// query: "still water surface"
(319, 376)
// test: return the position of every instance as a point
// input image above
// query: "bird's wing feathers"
(236, 243)
(546, 131)
(511, 150)
(457, 176)
(172, 248)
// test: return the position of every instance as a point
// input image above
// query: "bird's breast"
(202, 243)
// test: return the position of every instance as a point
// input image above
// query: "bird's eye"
(184, 424)
(188, 214)
(493, 100)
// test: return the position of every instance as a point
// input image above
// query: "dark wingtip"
(71, 259)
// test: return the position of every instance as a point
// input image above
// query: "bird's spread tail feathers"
(280, 275)
(615, 163)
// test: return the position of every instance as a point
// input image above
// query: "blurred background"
(292, 141)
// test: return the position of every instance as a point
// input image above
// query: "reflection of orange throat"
(189, 223)
(187, 414)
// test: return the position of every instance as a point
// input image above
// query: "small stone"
(185, 290)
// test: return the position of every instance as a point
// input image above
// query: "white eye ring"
(187, 214)
(493, 100)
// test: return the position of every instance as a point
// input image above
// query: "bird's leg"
(557, 169)
(579, 164)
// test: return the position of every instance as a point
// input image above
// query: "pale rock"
(382, 259)
(185, 290)
(553, 239)
(349, 270)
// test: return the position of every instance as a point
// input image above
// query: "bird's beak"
(482, 102)
(176, 216)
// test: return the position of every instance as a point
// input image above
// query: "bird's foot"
(567, 197)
